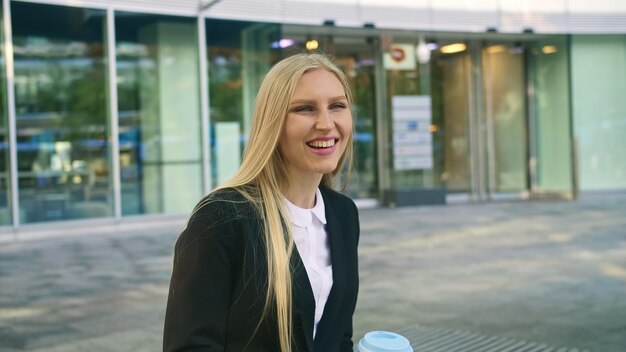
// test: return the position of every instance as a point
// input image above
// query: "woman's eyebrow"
(312, 101)
(301, 101)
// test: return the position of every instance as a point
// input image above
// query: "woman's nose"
(324, 121)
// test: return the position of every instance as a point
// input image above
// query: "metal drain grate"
(424, 339)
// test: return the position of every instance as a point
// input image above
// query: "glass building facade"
(108, 114)
(63, 142)
(5, 177)
(160, 149)
(599, 110)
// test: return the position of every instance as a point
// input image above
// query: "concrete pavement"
(545, 271)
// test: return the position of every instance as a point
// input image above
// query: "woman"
(268, 261)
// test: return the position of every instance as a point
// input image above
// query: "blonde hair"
(261, 177)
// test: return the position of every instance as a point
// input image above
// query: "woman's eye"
(303, 109)
(338, 106)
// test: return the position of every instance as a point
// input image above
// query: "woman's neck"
(302, 192)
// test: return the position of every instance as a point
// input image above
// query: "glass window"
(60, 100)
(355, 56)
(451, 96)
(598, 70)
(416, 105)
(504, 82)
(552, 131)
(239, 54)
(159, 113)
(5, 199)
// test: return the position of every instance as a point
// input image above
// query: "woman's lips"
(323, 146)
(322, 142)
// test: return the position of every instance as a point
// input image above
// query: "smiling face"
(317, 127)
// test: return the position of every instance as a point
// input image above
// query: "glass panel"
(451, 98)
(552, 142)
(505, 105)
(356, 57)
(257, 57)
(60, 98)
(159, 113)
(5, 199)
(239, 54)
(418, 144)
(599, 109)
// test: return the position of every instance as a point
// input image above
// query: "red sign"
(397, 54)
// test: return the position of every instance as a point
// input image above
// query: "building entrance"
(462, 116)
(478, 116)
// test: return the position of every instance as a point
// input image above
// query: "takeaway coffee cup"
(384, 341)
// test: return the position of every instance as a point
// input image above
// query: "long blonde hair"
(261, 177)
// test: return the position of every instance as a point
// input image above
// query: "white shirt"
(312, 243)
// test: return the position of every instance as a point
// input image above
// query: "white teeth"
(322, 144)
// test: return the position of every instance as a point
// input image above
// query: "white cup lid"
(384, 341)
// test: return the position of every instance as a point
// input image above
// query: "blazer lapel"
(337, 255)
(304, 301)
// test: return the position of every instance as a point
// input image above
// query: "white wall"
(543, 16)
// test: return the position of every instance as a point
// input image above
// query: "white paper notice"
(412, 139)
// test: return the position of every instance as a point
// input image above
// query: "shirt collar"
(303, 217)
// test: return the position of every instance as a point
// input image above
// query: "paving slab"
(548, 272)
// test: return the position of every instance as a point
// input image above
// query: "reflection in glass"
(5, 199)
(505, 105)
(598, 71)
(239, 54)
(62, 139)
(407, 78)
(159, 113)
(356, 58)
(551, 116)
(451, 98)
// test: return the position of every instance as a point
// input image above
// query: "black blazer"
(217, 291)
